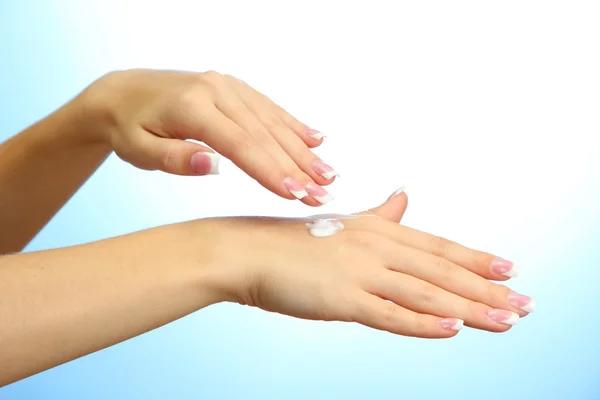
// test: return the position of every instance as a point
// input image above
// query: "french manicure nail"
(454, 324)
(504, 316)
(315, 134)
(318, 193)
(324, 170)
(397, 192)
(294, 188)
(205, 163)
(504, 267)
(521, 301)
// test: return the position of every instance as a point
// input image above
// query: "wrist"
(225, 264)
(94, 110)
(195, 250)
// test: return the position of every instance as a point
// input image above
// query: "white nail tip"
(299, 194)
(214, 163)
(317, 136)
(323, 199)
(329, 174)
(401, 190)
(529, 307)
(514, 318)
(459, 325)
(511, 273)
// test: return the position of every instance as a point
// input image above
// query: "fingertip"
(204, 163)
(311, 137)
(314, 134)
(324, 172)
(294, 190)
(394, 207)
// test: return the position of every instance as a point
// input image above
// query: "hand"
(432, 284)
(147, 117)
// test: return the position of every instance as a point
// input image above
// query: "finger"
(379, 314)
(393, 209)
(451, 277)
(234, 143)
(484, 264)
(289, 141)
(423, 297)
(233, 108)
(479, 262)
(174, 156)
(311, 137)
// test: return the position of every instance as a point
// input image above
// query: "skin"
(146, 117)
(60, 304)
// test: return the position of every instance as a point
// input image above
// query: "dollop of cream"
(324, 227)
(329, 224)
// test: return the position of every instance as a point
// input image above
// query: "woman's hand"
(148, 116)
(432, 284)
(60, 304)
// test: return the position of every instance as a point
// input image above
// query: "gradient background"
(489, 111)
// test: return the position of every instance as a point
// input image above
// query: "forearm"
(41, 168)
(61, 304)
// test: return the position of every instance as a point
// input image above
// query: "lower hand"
(148, 116)
(432, 284)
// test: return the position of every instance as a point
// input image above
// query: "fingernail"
(205, 163)
(397, 192)
(313, 133)
(504, 267)
(503, 316)
(318, 193)
(454, 324)
(294, 188)
(324, 170)
(521, 301)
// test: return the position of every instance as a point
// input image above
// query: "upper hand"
(148, 116)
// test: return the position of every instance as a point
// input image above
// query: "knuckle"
(389, 314)
(428, 294)
(444, 267)
(272, 122)
(439, 246)
(416, 325)
(189, 99)
(168, 157)
(213, 77)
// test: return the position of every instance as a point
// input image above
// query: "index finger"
(481, 263)
(234, 143)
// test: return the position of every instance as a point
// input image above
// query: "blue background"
(234, 352)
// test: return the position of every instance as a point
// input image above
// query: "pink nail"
(313, 133)
(504, 267)
(294, 188)
(521, 301)
(324, 170)
(318, 193)
(503, 316)
(205, 163)
(454, 324)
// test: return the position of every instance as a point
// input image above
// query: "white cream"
(325, 227)
(329, 224)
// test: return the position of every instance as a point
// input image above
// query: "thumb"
(175, 156)
(394, 207)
